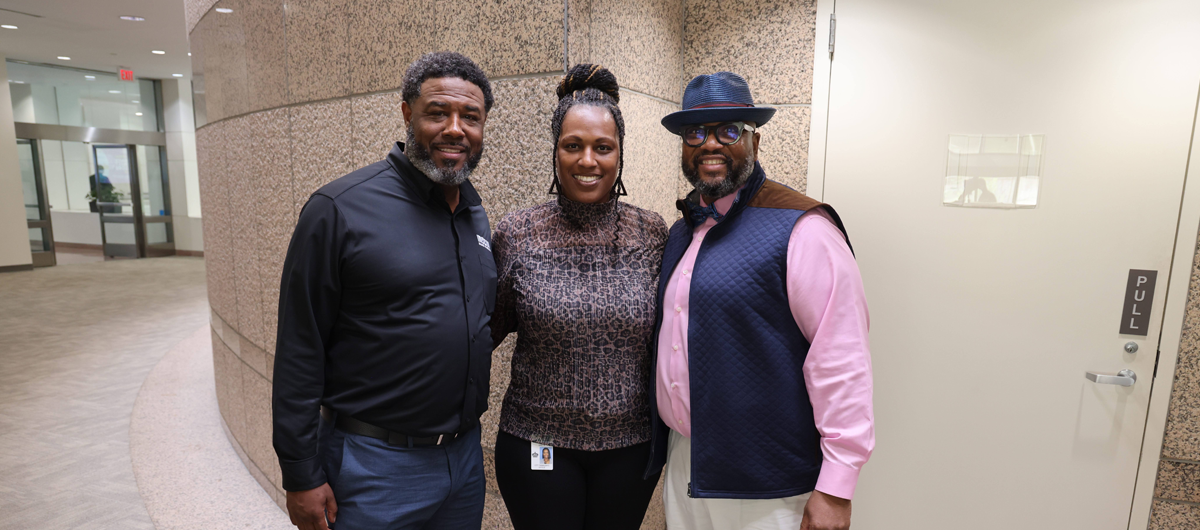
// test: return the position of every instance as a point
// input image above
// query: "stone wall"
(291, 95)
(1177, 487)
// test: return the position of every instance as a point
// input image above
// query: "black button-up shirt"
(383, 312)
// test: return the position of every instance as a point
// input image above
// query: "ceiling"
(91, 33)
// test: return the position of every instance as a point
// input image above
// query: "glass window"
(83, 98)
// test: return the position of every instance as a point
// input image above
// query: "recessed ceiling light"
(8, 26)
(137, 114)
(189, 54)
(158, 52)
(89, 77)
(224, 10)
(63, 58)
(114, 91)
(19, 82)
(177, 75)
(132, 18)
(134, 101)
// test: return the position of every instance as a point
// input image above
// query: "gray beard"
(735, 177)
(423, 161)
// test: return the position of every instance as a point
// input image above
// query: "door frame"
(139, 245)
(1176, 292)
(47, 257)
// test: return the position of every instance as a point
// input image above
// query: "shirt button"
(681, 422)
(468, 298)
(471, 380)
(687, 271)
(678, 309)
(675, 347)
(674, 385)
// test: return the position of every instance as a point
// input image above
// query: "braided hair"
(594, 85)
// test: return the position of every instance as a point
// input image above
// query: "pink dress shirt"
(825, 293)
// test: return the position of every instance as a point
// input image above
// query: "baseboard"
(16, 268)
(77, 246)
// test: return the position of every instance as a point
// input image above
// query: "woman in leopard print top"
(577, 279)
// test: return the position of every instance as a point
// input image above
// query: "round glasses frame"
(692, 141)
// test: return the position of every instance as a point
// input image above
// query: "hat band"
(710, 105)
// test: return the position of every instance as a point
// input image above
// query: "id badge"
(541, 457)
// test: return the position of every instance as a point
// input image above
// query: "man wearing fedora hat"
(762, 370)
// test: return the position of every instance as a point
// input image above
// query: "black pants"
(587, 490)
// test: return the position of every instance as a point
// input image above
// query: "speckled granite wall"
(1177, 488)
(297, 93)
(770, 43)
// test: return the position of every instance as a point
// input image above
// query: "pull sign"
(1139, 298)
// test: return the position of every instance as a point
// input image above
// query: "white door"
(984, 321)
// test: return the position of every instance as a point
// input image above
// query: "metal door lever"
(1123, 378)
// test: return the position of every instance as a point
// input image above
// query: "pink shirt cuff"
(837, 479)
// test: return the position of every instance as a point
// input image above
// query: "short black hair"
(445, 64)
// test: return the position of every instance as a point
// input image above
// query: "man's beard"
(735, 176)
(423, 161)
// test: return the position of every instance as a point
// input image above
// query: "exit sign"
(126, 75)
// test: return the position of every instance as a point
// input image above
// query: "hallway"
(78, 342)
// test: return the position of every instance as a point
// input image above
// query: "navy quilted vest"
(753, 434)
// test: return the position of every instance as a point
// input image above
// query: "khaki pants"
(686, 513)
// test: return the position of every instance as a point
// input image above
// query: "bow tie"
(701, 213)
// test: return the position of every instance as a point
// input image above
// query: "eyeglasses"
(727, 133)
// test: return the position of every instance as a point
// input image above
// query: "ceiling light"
(189, 54)
(8, 26)
(19, 82)
(158, 52)
(177, 75)
(132, 18)
(134, 101)
(224, 10)
(89, 77)
(114, 91)
(63, 58)
(137, 114)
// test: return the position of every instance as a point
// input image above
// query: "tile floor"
(76, 344)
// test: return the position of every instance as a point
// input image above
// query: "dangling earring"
(553, 186)
(619, 188)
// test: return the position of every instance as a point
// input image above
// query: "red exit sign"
(126, 75)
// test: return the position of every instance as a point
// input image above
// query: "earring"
(553, 186)
(619, 188)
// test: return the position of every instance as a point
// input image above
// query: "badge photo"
(541, 457)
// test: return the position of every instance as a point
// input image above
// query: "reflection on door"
(129, 192)
(37, 212)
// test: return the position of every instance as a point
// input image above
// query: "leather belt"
(346, 423)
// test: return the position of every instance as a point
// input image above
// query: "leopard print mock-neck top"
(577, 283)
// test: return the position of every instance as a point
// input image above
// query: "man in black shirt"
(384, 352)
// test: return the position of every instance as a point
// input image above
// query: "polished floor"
(77, 344)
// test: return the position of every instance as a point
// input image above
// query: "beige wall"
(297, 94)
(14, 231)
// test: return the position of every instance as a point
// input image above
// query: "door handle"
(1123, 378)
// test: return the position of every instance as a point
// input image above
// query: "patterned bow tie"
(701, 213)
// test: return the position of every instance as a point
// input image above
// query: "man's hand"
(308, 508)
(823, 512)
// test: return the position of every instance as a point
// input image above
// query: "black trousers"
(586, 490)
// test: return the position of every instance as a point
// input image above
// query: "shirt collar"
(724, 203)
(421, 182)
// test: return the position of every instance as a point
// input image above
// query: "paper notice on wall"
(993, 171)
